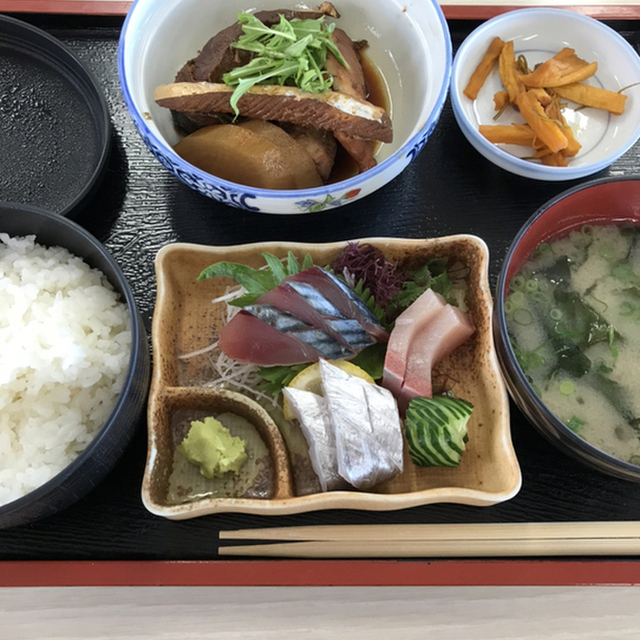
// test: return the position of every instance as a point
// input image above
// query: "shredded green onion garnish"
(290, 53)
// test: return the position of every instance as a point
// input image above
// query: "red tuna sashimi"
(272, 348)
(446, 332)
(408, 324)
(343, 298)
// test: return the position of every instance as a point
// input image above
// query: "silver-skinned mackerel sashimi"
(306, 303)
(343, 298)
(308, 316)
(265, 336)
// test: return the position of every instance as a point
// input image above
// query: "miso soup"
(573, 316)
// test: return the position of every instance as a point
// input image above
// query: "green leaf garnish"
(291, 53)
(256, 281)
(371, 359)
(432, 275)
(275, 265)
(279, 376)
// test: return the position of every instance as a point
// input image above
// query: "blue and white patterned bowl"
(408, 41)
(539, 33)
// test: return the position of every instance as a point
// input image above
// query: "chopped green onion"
(566, 388)
(517, 298)
(522, 317)
(575, 424)
(607, 252)
(517, 283)
(541, 297)
(544, 247)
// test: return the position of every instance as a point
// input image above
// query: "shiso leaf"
(279, 376)
(255, 281)
(277, 268)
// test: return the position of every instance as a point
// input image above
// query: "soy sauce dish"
(408, 50)
(566, 323)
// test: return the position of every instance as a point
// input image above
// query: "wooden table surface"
(283, 613)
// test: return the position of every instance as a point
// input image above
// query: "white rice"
(64, 351)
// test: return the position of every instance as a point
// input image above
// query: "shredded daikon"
(228, 373)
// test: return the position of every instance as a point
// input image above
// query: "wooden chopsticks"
(439, 540)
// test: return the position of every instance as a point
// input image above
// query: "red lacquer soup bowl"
(599, 202)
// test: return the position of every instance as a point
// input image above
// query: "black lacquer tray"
(140, 207)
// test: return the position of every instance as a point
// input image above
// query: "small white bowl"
(539, 34)
(409, 42)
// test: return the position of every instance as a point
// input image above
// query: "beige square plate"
(186, 323)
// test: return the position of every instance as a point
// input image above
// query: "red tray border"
(341, 573)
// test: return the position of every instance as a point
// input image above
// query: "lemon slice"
(309, 380)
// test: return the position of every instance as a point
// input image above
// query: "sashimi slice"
(343, 298)
(308, 304)
(413, 320)
(311, 411)
(248, 339)
(301, 300)
(345, 329)
(446, 332)
(285, 322)
(265, 336)
(367, 427)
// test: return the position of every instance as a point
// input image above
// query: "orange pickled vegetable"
(518, 134)
(537, 96)
(596, 97)
(483, 69)
(508, 73)
(500, 99)
(553, 159)
(554, 111)
(546, 129)
(564, 68)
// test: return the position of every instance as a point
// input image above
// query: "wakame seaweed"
(571, 325)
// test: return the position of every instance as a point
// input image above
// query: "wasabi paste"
(210, 446)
